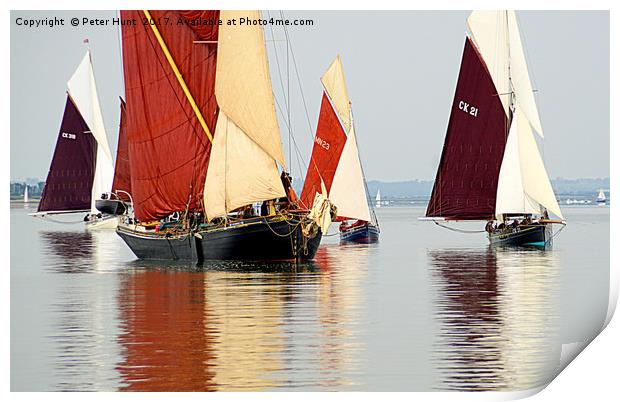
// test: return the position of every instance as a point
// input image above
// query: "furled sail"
(329, 142)
(69, 183)
(168, 144)
(83, 91)
(122, 177)
(348, 191)
(496, 34)
(247, 146)
(466, 183)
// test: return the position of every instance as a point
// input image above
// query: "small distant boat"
(335, 163)
(26, 194)
(490, 167)
(378, 199)
(601, 199)
(81, 168)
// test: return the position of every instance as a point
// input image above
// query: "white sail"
(25, 194)
(247, 146)
(240, 172)
(523, 185)
(496, 35)
(336, 88)
(83, 91)
(348, 192)
(378, 199)
(601, 196)
(511, 196)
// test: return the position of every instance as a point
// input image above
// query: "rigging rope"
(459, 230)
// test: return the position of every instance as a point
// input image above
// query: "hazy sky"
(401, 70)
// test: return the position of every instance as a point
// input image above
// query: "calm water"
(426, 309)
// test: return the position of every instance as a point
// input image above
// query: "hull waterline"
(539, 235)
(261, 239)
(367, 233)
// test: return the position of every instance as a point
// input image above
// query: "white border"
(594, 373)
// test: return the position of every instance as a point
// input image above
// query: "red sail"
(70, 180)
(466, 183)
(168, 149)
(328, 144)
(122, 177)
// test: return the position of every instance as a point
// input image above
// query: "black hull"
(261, 239)
(111, 207)
(538, 235)
(367, 233)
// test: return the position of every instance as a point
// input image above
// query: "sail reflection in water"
(498, 318)
(82, 335)
(238, 326)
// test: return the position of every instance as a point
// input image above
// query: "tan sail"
(240, 172)
(243, 84)
(334, 83)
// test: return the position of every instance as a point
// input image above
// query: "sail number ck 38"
(469, 109)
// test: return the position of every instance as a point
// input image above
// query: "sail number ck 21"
(469, 109)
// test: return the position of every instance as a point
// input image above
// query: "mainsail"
(247, 146)
(466, 182)
(170, 91)
(69, 183)
(122, 176)
(335, 157)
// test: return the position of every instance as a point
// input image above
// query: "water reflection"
(498, 317)
(83, 310)
(239, 326)
(67, 251)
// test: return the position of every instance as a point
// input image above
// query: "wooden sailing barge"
(81, 167)
(490, 167)
(335, 163)
(204, 144)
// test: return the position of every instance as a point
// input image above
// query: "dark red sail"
(69, 183)
(466, 184)
(168, 148)
(328, 144)
(122, 176)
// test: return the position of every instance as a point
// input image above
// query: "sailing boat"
(601, 199)
(204, 144)
(335, 162)
(26, 193)
(378, 199)
(81, 167)
(490, 167)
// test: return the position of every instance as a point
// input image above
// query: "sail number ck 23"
(469, 109)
